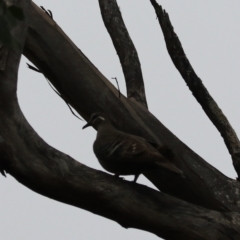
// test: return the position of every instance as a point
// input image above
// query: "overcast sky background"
(210, 35)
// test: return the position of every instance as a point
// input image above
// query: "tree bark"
(204, 205)
(126, 50)
(78, 80)
(197, 88)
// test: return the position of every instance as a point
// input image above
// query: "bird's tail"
(170, 167)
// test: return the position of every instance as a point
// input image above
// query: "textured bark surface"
(204, 205)
(125, 48)
(197, 88)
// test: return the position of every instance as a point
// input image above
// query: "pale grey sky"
(210, 34)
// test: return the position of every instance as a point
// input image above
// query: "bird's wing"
(163, 149)
(124, 147)
(132, 146)
(154, 144)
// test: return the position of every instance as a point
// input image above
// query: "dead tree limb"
(126, 50)
(51, 173)
(196, 86)
(56, 175)
(88, 91)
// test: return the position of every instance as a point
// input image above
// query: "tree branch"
(126, 50)
(51, 173)
(88, 91)
(197, 88)
(55, 175)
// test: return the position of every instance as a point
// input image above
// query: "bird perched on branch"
(125, 154)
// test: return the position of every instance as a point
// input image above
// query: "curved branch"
(53, 174)
(126, 50)
(56, 175)
(88, 91)
(196, 86)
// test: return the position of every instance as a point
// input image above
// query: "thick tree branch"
(196, 86)
(88, 91)
(56, 175)
(126, 50)
(51, 173)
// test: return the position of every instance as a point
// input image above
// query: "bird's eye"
(97, 117)
(94, 116)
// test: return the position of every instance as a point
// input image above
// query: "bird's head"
(96, 120)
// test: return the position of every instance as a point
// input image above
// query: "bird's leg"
(117, 176)
(136, 177)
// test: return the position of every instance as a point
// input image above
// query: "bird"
(125, 154)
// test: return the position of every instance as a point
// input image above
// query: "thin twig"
(125, 49)
(55, 90)
(196, 86)
(119, 92)
(33, 68)
(70, 108)
(48, 12)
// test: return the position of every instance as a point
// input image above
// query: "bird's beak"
(87, 125)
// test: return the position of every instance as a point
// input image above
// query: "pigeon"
(125, 154)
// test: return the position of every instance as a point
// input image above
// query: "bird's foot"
(117, 176)
(136, 178)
